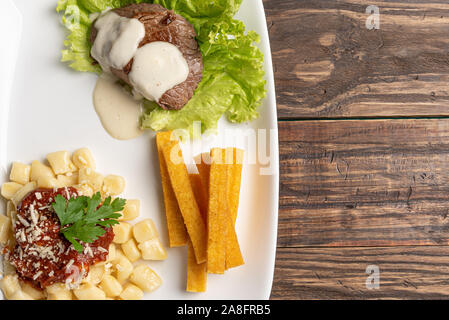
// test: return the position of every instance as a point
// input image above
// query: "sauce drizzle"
(119, 112)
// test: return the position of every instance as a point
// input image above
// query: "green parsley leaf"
(85, 219)
(69, 212)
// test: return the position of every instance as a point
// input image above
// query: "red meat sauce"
(42, 256)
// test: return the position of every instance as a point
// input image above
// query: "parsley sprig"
(83, 219)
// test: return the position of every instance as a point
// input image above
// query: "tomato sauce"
(42, 255)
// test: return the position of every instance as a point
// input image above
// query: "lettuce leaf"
(233, 78)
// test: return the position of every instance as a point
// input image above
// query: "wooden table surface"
(364, 148)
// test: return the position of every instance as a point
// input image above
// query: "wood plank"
(420, 272)
(329, 65)
(364, 183)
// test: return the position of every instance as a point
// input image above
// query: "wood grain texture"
(418, 272)
(364, 183)
(362, 192)
(329, 65)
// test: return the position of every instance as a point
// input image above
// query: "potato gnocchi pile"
(121, 276)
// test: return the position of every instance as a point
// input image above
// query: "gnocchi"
(8, 268)
(34, 293)
(56, 288)
(88, 291)
(96, 274)
(60, 162)
(91, 178)
(58, 291)
(131, 292)
(84, 190)
(9, 285)
(113, 185)
(38, 169)
(131, 210)
(145, 278)
(20, 295)
(115, 278)
(122, 232)
(10, 209)
(47, 182)
(67, 180)
(5, 229)
(112, 252)
(153, 250)
(9, 189)
(145, 230)
(124, 268)
(131, 251)
(62, 295)
(83, 158)
(20, 173)
(111, 286)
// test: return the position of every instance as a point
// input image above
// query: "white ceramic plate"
(45, 107)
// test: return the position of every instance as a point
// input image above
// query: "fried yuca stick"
(234, 256)
(234, 181)
(233, 159)
(196, 272)
(203, 165)
(177, 232)
(216, 214)
(182, 188)
(234, 162)
(200, 193)
(235, 176)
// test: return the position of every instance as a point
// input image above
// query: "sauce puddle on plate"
(119, 111)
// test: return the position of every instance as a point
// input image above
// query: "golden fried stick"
(197, 272)
(203, 168)
(182, 188)
(216, 214)
(200, 193)
(234, 181)
(177, 232)
(234, 172)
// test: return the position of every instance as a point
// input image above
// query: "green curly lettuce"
(233, 77)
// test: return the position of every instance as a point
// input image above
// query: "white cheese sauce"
(117, 40)
(158, 66)
(118, 111)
